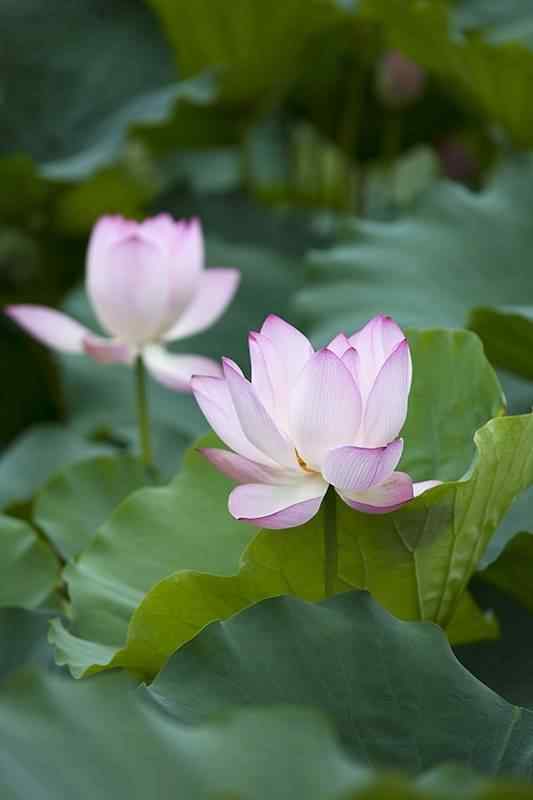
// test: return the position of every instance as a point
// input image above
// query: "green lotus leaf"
(75, 501)
(23, 467)
(393, 690)
(29, 570)
(335, 658)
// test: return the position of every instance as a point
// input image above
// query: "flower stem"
(330, 542)
(143, 417)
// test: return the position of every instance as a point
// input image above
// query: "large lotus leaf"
(76, 501)
(58, 736)
(35, 455)
(105, 65)
(29, 571)
(394, 690)
(478, 69)
(457, 250)
(256, 48)
(417, 561)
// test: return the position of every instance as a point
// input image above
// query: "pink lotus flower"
(148, 286)
(312, 419)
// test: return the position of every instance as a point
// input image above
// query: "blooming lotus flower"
(310, 419)
(148, 286)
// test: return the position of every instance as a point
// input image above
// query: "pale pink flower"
(310, 419)
(148, 286)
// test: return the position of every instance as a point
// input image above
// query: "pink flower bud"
(399, 81)
(458, 161)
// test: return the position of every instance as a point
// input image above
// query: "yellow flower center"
(304, 465)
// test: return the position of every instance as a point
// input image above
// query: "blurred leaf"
(257, 49)
(194, 126)
(37, 454)
(113, 190)
(29, 571)
(495, 77)
(507, 335)
(30, 384)
(31, 194)
(23, 640)
(73, 504)
(501, 22)
(513, 568)
(399, 185)
(457, 250)
(103, 66)
(393, 690)
(504, 665)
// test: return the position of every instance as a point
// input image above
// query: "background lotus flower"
(399, 80)
(148, 286)
(310, 419)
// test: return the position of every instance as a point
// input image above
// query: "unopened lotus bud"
(399, 81)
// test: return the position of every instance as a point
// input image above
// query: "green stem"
(143, 417)
(330, 542)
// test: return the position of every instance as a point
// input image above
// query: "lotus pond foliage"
(298, 562)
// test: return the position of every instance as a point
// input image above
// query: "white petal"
(176, 370)
(386, 407)
(293, 347)
(356, 469)
(352, 362)
(214, 399)
(257, 425)
(374, 343)
(261, 379)
(241, 469)
(325, 408)
(277, 507)
(270, 378)
(383, 498)
(339, 345)
(215, 292)
(108, 351)
(50, 327)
